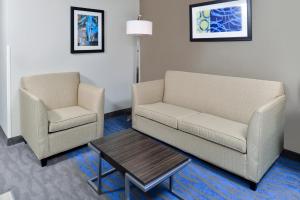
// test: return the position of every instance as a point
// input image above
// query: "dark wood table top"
(143, 157)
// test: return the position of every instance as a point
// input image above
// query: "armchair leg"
(44, 162)
(253, 185)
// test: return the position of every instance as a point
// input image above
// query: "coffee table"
(144, 161)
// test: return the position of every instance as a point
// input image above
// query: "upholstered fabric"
(70, 117)
(228, 97)
(34, 123)
(147, 93)
(71, 138)
(265, 137)
(163, 113)
(211, 152)
(221, 131)
(57, 104)
(92, 98)
(238, 125)
(55, 90)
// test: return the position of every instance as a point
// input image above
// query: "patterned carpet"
(199, 180)
(21, 172)
(65, 177)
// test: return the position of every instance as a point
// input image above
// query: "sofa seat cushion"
(70, 117)
(166, 114)
(216, 129)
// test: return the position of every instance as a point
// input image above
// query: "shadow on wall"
(292, 128)
(292, 125)
(115, 105)
(87, 80)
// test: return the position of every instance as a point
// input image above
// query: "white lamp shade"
(139, 27)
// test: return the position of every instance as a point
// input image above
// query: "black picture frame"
(221, 39)
(101, 48)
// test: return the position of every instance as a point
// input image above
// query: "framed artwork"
(221, 20)
(87, 30)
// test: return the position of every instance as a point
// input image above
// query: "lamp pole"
(139, 28)
(138, 69)
(138, 44)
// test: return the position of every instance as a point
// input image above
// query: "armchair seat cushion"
(163, 113)
(70, 117)
(221, 131)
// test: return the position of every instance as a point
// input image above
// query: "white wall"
(3, 79)
(39, 36)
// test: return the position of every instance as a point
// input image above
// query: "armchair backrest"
(229, 97)
(55, 90)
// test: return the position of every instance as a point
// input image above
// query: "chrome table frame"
(131, 180)
(145, 188)
(97, 187)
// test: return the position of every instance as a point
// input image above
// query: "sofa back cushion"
(229, 97)
(55, 90)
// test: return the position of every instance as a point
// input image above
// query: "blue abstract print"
(219, 20)
(226, 20)
(88, 30)
(203, 21)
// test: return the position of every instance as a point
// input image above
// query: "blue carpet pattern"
(199, 180)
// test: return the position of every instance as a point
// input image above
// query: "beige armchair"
(59, 113)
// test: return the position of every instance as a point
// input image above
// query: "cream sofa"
(59, 113)
(233, 123)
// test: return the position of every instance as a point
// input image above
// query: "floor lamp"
(139, 28)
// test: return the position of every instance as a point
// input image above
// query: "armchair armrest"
(265, 137)
(92, 98)
(34, 123)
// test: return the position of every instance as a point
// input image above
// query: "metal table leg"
(100, 174)
(97, 187)
(98, 179)
(171, 184)
(127, 188)
(171, 180)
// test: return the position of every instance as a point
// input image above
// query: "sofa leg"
(253, 185)
(44, 162)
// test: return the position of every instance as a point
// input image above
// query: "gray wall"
(3, 103)
(39, 36)
(272, 55)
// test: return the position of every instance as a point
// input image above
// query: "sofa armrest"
(148, 92)
(92, 98)
(265, 137)
(34, 123)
